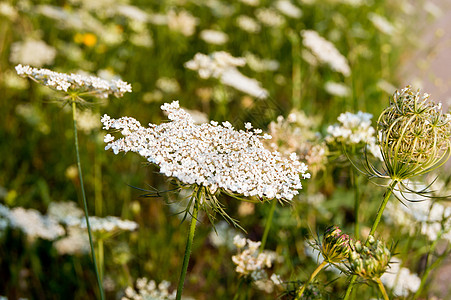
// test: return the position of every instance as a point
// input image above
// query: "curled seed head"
(414, 134)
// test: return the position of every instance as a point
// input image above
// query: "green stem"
(237, 294)
(427, 271)
(189, 243)
(98, 199)
(296, 90)
(356, 204)
(319, 268)
(101, 257)
(387, 195)
(349, 289)
(85, 206)
(382, 288)
(268, 225)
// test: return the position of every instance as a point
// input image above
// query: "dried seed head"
(414, 135)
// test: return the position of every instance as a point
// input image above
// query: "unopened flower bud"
(370, 262)
(335, 246)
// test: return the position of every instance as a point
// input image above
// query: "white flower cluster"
(75, 82)
(88, 121)
(288, 9)
(249, 261)
(182, 22)
(401, 280)
(76, 242)
(381, 23)
(214, 37)
(325, 51)
(296, 134)
(32, 223)
(108, 224)
(215, 156)
(337, 89)
(149, 290)
(32, 52)
(252, 263)
(433, 218)
(215, 64)
(354, 129)
(269, 17)
(222, 65)
(261, 64)
(248, 24)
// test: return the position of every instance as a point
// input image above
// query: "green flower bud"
(371, 262)
(414, 135)
(335, 246)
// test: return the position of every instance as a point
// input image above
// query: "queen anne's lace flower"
(148, 289)
(249, 261)
(222, 65)
(75, 82)
(32, 223)
(325, 51)
(354, 129)
(400, 279)
(211, 155)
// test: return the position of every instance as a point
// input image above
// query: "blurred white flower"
(148, 289)
(32, 52)
(269, 17)
(337, 89)
(251, 2)
(76, 242)
(325, 51)
(401, 280)
(132, 12)
(289, 9)
(108, 224)
(248, 24)
(222, 65)
(88, 121)
(432, 217)
(182, 22)
(260, 64)
(214, 37)
(381, 23)
(8, 11)
(168, 85)
(32, 223)
(213, 65)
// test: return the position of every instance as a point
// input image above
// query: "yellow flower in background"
(88, 39)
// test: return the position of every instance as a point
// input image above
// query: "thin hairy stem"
(302, 289)
(189, 243)
(387, 195)
(268, 224)
(382, 289)
(85, 205)
(356, 203)
(428, 271)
